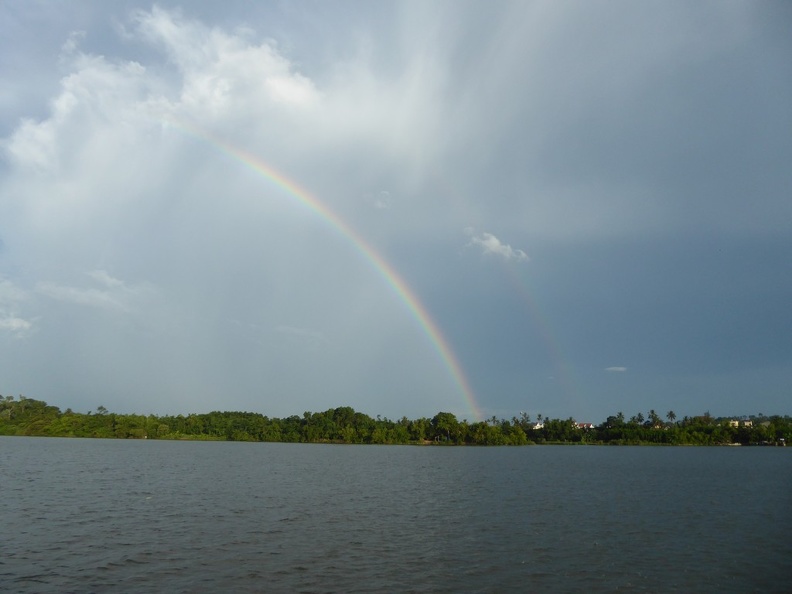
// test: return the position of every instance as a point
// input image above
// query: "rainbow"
(383, 268)
(563, 371)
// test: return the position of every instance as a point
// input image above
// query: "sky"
(560, 208)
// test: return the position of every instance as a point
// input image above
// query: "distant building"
(740, 423)
(585, 426)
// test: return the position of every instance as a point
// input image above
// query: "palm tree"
(654, 419)
(671, 416)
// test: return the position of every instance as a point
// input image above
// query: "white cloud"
(11, 297)
(383, 200)
(104, 278)
(490, 244)
(72, 43)
(80, 296)
(114, 294)
(616, 369)
(10, 293)
(13, 324)
(225, 75)
(99, 102)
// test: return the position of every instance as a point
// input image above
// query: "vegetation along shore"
(27, 416)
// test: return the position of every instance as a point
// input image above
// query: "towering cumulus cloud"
(121, 179)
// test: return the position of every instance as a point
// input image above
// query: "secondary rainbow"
(563, 370)
(383, 268)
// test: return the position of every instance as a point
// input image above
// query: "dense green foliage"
(26, 416)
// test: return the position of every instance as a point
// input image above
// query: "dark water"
(147, 516)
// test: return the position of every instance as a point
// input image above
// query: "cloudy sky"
(566, 208)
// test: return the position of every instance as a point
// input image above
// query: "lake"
(81, 515)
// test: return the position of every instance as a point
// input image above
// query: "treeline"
(26, 416)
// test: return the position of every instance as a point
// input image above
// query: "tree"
(444, 423)
(654, 419)
(671, 416)
(419, 429)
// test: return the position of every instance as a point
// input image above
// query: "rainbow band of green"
(385, 270)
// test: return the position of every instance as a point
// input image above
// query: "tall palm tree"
(671, 416)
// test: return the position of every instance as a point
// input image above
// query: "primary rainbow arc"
(383, 268)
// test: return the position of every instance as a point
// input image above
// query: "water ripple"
(90, 515)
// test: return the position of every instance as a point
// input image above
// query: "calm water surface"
(84, 515)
